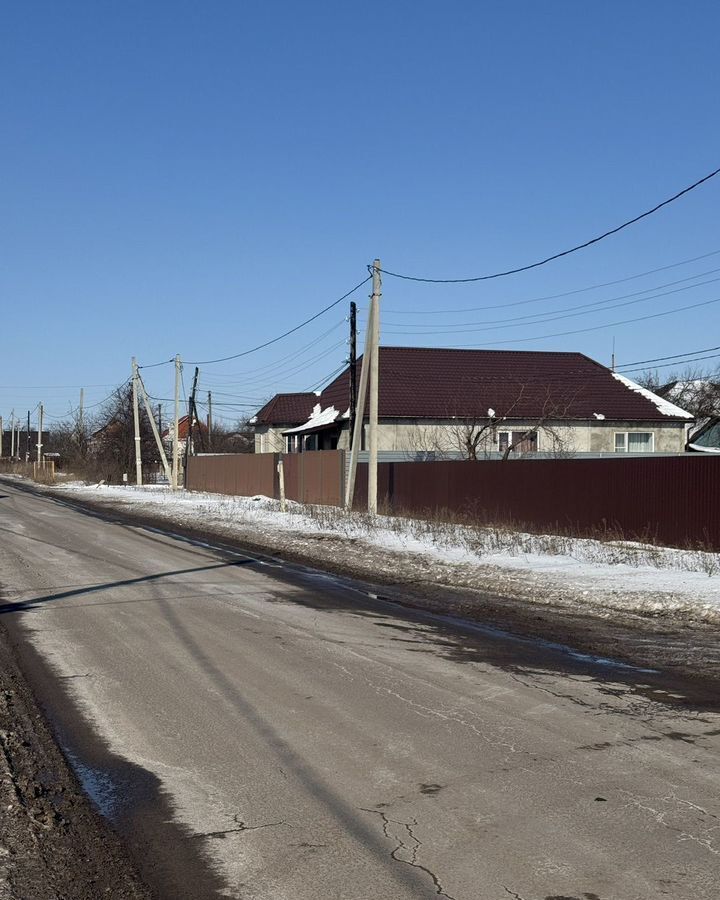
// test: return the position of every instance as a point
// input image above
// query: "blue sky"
(197, 178)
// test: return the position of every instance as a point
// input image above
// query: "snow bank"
(601, 575)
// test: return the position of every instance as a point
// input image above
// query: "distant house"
(702, 397)
(477, 403)
(199, 437)
(282, 412)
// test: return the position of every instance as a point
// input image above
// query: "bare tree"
(111, 446)
(477, 436)
(693, 389)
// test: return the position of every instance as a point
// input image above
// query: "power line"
(542, 318)
(562, 253)
(275, 363)
(595, 327)
(208, 362)
(640, 362)
(155, 365)
(583, 290)
(669, 365)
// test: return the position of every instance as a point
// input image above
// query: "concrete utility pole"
(353, 368)
(175, 446)
(136, 423)
(12, 434)
(360, 417)
(40, 431)
(156, 433)
(209, 420)
(374, 393)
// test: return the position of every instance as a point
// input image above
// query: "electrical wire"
(670, 365)
(595, 327)
(640, 362)
(541, 318)
(548, 259)
(275, 363)
(208, 362)
(582, 290)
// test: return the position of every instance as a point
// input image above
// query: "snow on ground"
(597, 576)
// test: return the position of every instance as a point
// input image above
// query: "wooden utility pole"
(40, 431)
(191, 419)
(175, 446)
(353, 369)
(81, 420)
(209, 420)
(360, 417)
(27, 440)
(136, 423)
(374, 393)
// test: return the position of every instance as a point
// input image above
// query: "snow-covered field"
(597, 576)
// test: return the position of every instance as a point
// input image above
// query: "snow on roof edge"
(663, 406)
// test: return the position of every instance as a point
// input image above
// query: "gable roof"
(286, 409)
(425, 382)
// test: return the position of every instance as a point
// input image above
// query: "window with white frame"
(634, 442)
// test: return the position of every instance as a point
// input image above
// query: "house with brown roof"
(282, 412)
(477, 403)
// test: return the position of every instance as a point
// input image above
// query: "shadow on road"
(94, 588)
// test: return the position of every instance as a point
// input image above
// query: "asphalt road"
(257, 730)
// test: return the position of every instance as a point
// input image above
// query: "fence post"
(281, 482)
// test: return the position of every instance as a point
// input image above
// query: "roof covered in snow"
(423, 382)
(319, 418)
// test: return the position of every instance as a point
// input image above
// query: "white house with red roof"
(475, 403)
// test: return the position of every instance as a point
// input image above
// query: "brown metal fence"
(313, 477)
(242, 474)
(674, 500)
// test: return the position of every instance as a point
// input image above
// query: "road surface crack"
(411, 849)
(242, 826)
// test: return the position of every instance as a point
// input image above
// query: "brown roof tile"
(287, 409)
(420, 382)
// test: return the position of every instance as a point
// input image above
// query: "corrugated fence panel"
(313, 477)
(675, 500)
(241, 474)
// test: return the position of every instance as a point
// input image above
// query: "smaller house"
(702, 397)
(283, 412)
(199, 438)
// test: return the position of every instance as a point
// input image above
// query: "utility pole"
(209, 420)
(160, 418)
(175, 447)
(12, 434)
(360, 417)
(40, 431)
(153, 426)
(353, 368)
(191, 419)
(27, 441)
(81, 422)
(1, 435)
(136, 423)
(374, 392)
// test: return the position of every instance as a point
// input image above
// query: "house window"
(521, 441)
(634, 442)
